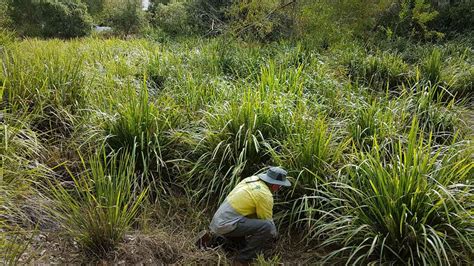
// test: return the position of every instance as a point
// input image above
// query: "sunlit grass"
(405, 206)
(376, 142)
(102, 204)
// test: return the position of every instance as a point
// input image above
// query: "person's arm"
(264, 206)
(264, 209)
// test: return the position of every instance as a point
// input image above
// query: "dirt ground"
(159, 246)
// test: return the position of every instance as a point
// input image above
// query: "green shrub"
(410, 18)
(455, 18)
(173, 18)
(210, 16)
(95, 7)
(323, 23)
(102, 204)
(261, 20)
(62, 19)
(5, 20)
(65, 20)
(6, 38)
(126, 17)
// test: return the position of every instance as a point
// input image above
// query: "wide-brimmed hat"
(276, 176)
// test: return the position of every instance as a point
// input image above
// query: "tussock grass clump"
(19, 145)
(380, 71)
(277, 79)
(235, 140)
(239, 62)
(36, 80)
(142, 126)
(102, 203)
(407, 206)
(311, 152)
(378, 120)
(48, 86)
(431, 68)
(458, 74)
(441, 118)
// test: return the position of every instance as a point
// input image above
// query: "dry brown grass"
(162, 247)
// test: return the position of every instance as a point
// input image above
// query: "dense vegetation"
(119, 146)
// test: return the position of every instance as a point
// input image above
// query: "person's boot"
(203, 239)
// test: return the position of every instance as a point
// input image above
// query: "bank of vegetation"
(119, 145)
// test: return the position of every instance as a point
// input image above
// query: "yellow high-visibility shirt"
(252, 198)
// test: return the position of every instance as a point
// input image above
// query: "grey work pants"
(259, 234)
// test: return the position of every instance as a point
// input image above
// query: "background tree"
(66, 19)
(4, 18)
(259, 19)
(173, 17)
(95, 8)
(323, 22)
(126, 16)
(211, 16)
(62, 19)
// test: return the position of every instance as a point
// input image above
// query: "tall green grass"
(408, 206)
(377, 120)
(235, 138)
(186, 118)
(311, 152)
(18, 145)
(13, 245)
(432, 66)
(381, 71)
(102, 204)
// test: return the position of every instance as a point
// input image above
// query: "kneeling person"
(248, 212)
